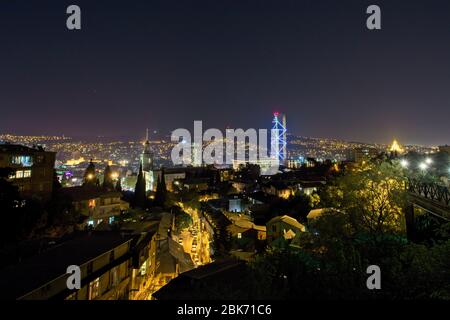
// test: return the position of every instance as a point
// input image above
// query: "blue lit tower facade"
(278, 137)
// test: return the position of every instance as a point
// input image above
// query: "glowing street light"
(114, 175)
(428, 161)
(404, 163)
(423, 166)
(90, 176)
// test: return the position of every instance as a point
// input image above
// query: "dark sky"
(162, 64)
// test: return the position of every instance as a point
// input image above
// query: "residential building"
(32, 169)
(97, 204)
(283, 227)
(362, 154)
(103, 259)
(191, 285)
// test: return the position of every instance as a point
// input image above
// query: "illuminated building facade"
(147, 165)
(396, 148)
(32, 169)
(278, 137)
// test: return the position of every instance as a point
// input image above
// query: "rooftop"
(288, 220)
(7, 147)
(192, 284)
(81, 193)
(38, 270)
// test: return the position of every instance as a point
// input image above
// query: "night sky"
(163, 64)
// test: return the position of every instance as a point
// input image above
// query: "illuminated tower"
(278, 137)
(147, 164)
(396, 149)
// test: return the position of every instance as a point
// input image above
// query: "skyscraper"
(278, 138)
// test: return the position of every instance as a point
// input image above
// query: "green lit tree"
(373, 196)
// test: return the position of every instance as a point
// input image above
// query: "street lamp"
(404, 163)
(423, 166)
(428, 161)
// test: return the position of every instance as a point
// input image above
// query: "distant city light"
(114, 175)
(428, 161)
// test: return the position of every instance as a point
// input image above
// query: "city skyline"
(200, 151)
(163, 65)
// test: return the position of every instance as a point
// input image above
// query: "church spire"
(147, 158)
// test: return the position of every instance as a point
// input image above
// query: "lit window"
(94, 289)
(91, 203)
(143, 269)
(15, 160)
(19, 174)
(27, 173)
(25, 161)
(239, 235)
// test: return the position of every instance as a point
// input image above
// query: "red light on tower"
(276, 114)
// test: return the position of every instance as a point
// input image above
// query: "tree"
(300, 205)
(90, 178)
(140, 196)
(373, 196)
(108, 183)
(249, 171)
(222, 241)
(118, 187)
(161, 190)
(20, 217)
(332, 264)
(182, 220)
